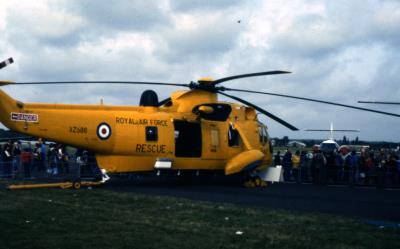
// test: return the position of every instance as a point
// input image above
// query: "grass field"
(100, 218)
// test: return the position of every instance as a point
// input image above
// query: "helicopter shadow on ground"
(184, 180)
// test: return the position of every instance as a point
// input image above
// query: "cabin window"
(233, 136)
(263, 135)
(151, 133)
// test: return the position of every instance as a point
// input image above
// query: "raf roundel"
(103, 131)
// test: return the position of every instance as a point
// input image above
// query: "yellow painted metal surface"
(243, 160)
(117, 134)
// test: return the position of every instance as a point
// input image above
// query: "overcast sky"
(341, 51)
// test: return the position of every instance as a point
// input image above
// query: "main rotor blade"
(164, 101)
(247, 76)
(95, 82)
(270, 115)
(315, 100)
(379, 102)
(6, 62)
(332, 130)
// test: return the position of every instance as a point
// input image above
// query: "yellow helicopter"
(190, 131)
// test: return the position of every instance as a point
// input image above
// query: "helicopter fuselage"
(193, 132)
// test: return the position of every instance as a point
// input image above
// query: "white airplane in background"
(330, 144)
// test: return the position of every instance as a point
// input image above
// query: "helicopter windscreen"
(221, 112)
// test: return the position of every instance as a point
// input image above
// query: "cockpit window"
(221, 112)
(233, 137)
(263, 135)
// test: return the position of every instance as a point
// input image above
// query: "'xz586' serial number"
(76, 129)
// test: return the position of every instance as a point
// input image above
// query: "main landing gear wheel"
(76, 185)
(255, 182)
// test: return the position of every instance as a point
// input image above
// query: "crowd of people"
(39, 159)
(366, 167)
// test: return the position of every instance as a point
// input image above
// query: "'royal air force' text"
(132, 121)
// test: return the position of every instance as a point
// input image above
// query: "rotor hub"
(205, 80)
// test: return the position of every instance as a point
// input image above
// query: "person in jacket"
(295, 166)
(353, 168)
(26, 160)
(287, 165)
(6, 156)
(318, 165)
(277, 158)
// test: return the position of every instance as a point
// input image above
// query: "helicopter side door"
(213, 139)
(214, 130)
(188, 139)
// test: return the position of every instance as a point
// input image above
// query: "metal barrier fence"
(73, 168)
(379, 177)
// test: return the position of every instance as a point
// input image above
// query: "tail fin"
(8, 105)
